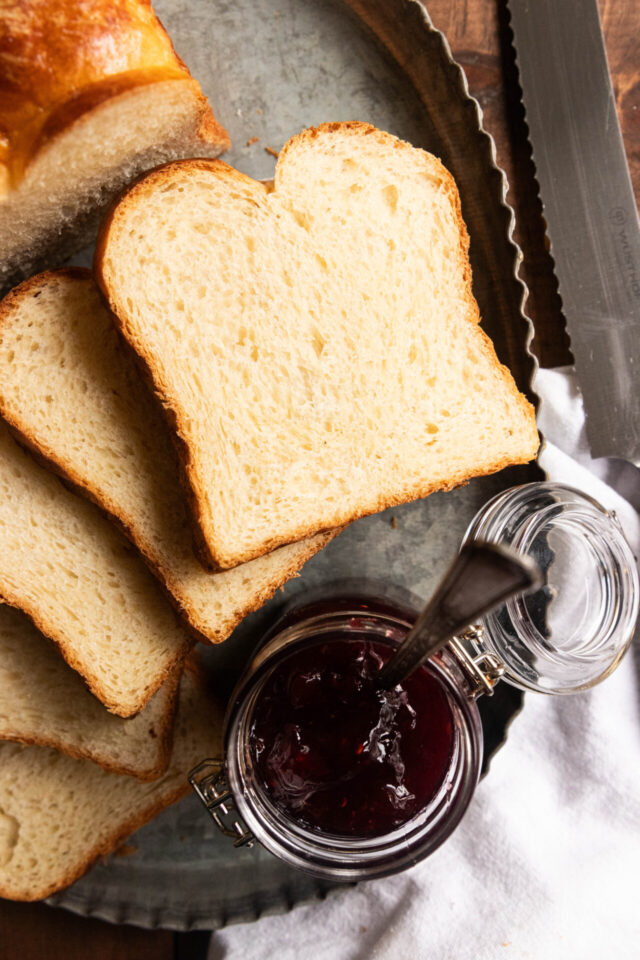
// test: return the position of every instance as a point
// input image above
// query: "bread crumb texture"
(318, 343)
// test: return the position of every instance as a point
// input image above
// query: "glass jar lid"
(572, 633)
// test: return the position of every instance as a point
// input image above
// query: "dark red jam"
(339, 756)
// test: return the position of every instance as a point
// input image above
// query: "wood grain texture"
(478, 33)
(33, 931)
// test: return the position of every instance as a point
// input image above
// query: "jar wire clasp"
(210, 784)
(482, 668)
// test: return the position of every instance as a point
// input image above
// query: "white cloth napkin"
(546, 863)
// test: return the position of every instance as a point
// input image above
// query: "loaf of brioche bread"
(91, 94)
(44, 702)
(317, 343)
(70, 386)
(58, 815)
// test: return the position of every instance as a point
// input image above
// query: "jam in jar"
(342, 756)
(330, 773)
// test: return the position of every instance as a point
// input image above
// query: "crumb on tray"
(126, 850)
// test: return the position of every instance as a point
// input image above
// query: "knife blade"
(589, 208)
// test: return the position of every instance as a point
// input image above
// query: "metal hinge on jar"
(210, 784)
(483, 669)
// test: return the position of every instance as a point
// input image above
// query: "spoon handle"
(482, 576)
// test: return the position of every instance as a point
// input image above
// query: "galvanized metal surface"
(270, 68)
(589, 208)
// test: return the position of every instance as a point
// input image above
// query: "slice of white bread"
(57, 814)
(71, 387)
(318, 343)
(45, 702)
(82, 584)
(91, 94)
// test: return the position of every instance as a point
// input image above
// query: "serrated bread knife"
(589, 208)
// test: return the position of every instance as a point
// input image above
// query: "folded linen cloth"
(545, 863)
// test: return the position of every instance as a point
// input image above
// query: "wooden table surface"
(478, 33)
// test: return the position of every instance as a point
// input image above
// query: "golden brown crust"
(61, 59)
(194, 489)
(80, 667)
(89, 753)
(292, 570)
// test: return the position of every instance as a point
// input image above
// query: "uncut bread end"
(324, 361)
(88, 813)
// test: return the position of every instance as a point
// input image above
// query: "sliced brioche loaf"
(78, 579)
(317, 343)
(45, 702)
(91, 95)
(57, 815)
(70, 386)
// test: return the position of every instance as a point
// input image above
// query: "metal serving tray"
(271, 68)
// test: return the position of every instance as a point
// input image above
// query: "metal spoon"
(482, 576)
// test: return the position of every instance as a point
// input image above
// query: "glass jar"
(565, 637)
(573, 632)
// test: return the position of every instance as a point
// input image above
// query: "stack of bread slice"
(93, 753)
(101, 595)
(74, 400)
(58, 813)
(252, 368)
